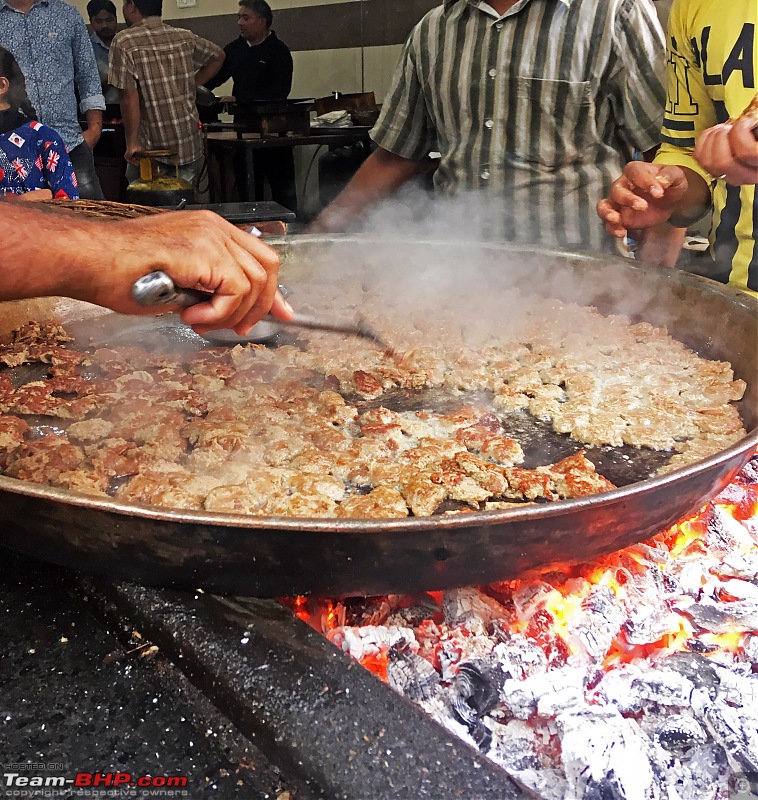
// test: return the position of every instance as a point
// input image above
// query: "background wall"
(347, 46)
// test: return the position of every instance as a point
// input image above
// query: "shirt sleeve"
(86, 75)
(120, 70)
(205, 52)
(404, 127)
(283, 72)
(223, 75)
(57, 169)
(637, 86)
(689, 110)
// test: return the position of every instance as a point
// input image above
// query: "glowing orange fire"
(553, 622)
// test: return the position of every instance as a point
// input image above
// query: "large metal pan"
(281, 556)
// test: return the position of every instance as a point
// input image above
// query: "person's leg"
(260, 158)
(84, 167)
(280, 171)
(194, 173)
(132, 173)
(240, 168)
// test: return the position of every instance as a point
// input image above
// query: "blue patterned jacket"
(33, 157)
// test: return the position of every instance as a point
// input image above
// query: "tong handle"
(158, 289)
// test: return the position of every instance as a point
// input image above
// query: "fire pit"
(633, 676)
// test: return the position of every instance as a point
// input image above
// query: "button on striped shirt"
(540, 107)
(161, 61)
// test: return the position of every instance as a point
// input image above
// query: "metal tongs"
(158, 289)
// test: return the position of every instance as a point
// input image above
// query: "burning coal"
(635, 676)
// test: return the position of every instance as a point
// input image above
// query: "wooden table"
(224, 139)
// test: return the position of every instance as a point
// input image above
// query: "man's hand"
(643, 196)
(130, 156)
(729, 152)
(92, 136)
(199, 250)
(35, 196)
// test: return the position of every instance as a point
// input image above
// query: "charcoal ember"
(702, 774)
(647, 624)
(420, 609)
(664, 687)
(642, 584)
(736, 589)
(439, 710)
(679, 732)
(462, 607)
(652, 553)
(371, 610)
(410, 675)
(604, 789)
(602, 618)
(521, 657)
(460, 645)
(481, 734)
(691, 577)
(615, 689)
(699, 670)
(724, 534)
(521, 697)
(750, 649)
(749, 472)
(736, 565)
(740, 615)
(554, 703)
(472, 694)
(701, 647)
(548, 784)
(737, 689)
(605, 755)
(531, 597)
(541, 629)
(732, 731)
(479, 683)
(370, 639)
(500, 631)
(515, 746)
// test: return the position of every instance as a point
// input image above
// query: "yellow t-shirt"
(712, 74)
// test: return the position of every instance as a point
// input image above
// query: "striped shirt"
(540, 107)
(52, 48)
(713, 64)
(161, 61)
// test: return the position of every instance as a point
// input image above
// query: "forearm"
(661, 245)
(202, 76)
(94, 119)
(130, 115)
(379, 176)
(46, 263)
(695, 202)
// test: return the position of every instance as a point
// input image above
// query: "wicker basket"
(102, 209)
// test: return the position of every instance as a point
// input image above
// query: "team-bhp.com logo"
(91, 784)
(743, 786)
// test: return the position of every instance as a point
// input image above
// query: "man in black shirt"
(260, 66)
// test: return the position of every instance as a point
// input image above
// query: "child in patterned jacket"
(33, 158)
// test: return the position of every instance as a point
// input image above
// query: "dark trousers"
(273, 164)
(83, 163)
